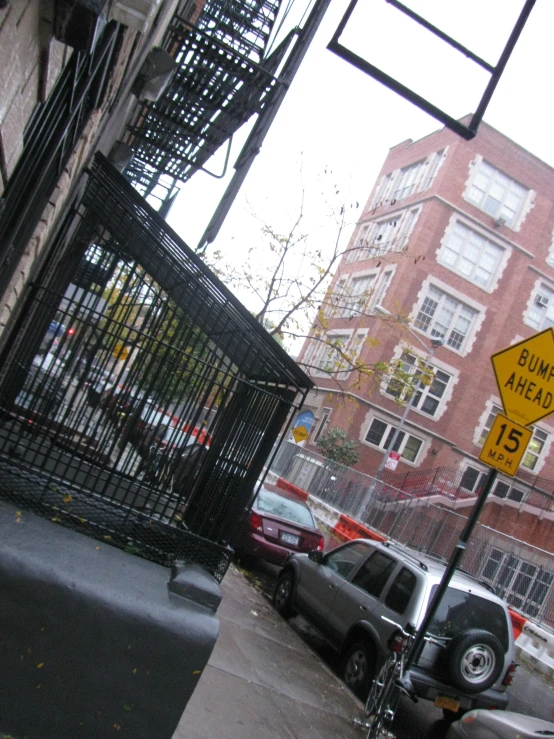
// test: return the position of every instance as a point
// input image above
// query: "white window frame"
(424, 393)
(405, 181)
(388, 235)
(322, 423)
(539, 313)
(428, 323)
(490, 189)
(387, 435)
(470, 254)
(321, 353)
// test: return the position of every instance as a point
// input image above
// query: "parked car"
(345, 592)
(483, 724)
(279, 523)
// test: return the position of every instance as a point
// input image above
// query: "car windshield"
(460, 611)
(277, 505)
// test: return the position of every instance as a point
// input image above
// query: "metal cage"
(140, 399)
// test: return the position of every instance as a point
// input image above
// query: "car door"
(359, 596)
(319, 582)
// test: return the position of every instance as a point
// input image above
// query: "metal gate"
(139, 399)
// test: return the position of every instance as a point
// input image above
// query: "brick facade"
(497, 284)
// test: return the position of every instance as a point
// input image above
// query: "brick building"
(456, 242)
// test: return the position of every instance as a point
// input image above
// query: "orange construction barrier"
(286, 485)
(346, 528)
(518, 622)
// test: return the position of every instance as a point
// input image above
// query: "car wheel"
(359, 667)
(282, 597)
(475, 660)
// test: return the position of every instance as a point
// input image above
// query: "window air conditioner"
(499, 221)
(541, 300)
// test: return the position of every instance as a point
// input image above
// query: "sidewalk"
(262, 681)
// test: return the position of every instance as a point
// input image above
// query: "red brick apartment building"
(456, 240)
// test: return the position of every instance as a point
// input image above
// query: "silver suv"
(345, 592)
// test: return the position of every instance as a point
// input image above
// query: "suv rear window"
(460, 611)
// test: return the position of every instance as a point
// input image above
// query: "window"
(359, 292)
(471, 255)
(401, 183)
(497, 194)
(323, 423)
(355, 252)
(524, 585)
(388, 235)
(401, 591)
(427, 397)
(334, 354)
(374, 573)
(540, 314)
(382, 287)
(460, 611)
(380, 434)
(407, 180)
(472, 479)
(535, 451)
(442, 316)
(344, 560)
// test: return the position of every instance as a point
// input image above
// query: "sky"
(337, 119)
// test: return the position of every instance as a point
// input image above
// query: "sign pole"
(459, 549)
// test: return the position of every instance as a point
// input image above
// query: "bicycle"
(391, 682)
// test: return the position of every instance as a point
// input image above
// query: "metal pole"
(459, 549)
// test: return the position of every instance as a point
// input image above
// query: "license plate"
(442, 701)
(289, 538)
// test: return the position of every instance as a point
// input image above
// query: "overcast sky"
(336, 117)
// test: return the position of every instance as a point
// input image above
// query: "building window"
(380, 434)
(381, 287)
(401, 183)
(334, 354)
(386, 235)
(442, 316)
(497, 194)
(471, 255)
(540, 314)
(524, 585)
(472, 479)
(361, 242)
(322, 424)
(535, 451)
(360, 290)
(427, 396)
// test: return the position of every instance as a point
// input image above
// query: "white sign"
(392, 460)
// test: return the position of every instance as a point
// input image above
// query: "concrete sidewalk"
(262, 681)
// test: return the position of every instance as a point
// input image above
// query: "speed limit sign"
(505, 445)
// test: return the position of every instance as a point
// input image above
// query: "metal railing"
(520, 573)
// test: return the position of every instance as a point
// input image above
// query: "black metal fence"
(139, 399)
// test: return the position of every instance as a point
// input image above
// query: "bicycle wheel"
(382, 700)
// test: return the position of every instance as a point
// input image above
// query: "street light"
(435, 343)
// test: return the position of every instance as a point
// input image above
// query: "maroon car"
(279, 523)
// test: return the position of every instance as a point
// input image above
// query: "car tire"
(282, 596)
(358, 667)
(475, 660)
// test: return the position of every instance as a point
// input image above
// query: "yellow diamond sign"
(300, 434)
(525, 378)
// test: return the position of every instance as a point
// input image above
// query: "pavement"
(262, 681)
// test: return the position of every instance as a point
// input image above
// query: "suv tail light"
(256, 522)
(510, 674)
(397, 642)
